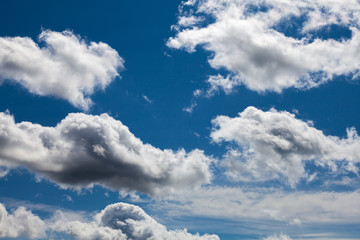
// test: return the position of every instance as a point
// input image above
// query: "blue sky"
(214, 119)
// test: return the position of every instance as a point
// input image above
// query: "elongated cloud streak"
(66, 66)
(83, 150)
(274, 144)
(272, 44)
(265, 204)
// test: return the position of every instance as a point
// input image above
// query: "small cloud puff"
(66, 66)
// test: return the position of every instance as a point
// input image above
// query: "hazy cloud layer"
(272, 44)
(20, 223)
(122, 221)
(66, 66)
(275, 145)
(257, 206)
(279, 237)
(84, 149)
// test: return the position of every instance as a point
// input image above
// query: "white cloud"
(219, 82)
(122, 221)
(246, 38)
(66, 66)
(275, 145)
(147, 99)
(197, 93)
(83, 150)
(263, 207)
(3, 172)
(20, 223)
(185, 21)
(116, 222)
(190, 109)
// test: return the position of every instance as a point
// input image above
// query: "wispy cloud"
(146, 99)
(190, 108)
(265, 208)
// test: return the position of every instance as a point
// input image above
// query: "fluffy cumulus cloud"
(66, 66)
(20, 223)
(122, 221)
(276, 145)
(273, 44)
(84, 149)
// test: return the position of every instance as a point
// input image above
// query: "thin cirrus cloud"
(278, 237)
(83, 150)
(265, 206)
(117, 221)
(271, 45)
(275, 145)
(66, 66)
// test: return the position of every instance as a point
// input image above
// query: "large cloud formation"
(272, 44)
(20, 223)
(66, 66)
(272, 144)
(84, 149)
(122, 221)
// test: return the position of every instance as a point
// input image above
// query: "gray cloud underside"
(120, 221)
(245, 38)
(66, 66)
(276, 145)
(83, 150)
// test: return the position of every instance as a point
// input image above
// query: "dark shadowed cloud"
(83, 150)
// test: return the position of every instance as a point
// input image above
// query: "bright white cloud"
(20, 223)
(275, 145)
(66, 66)
(247, 38)
(218, 82)
(84, 149)
(122, 221)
